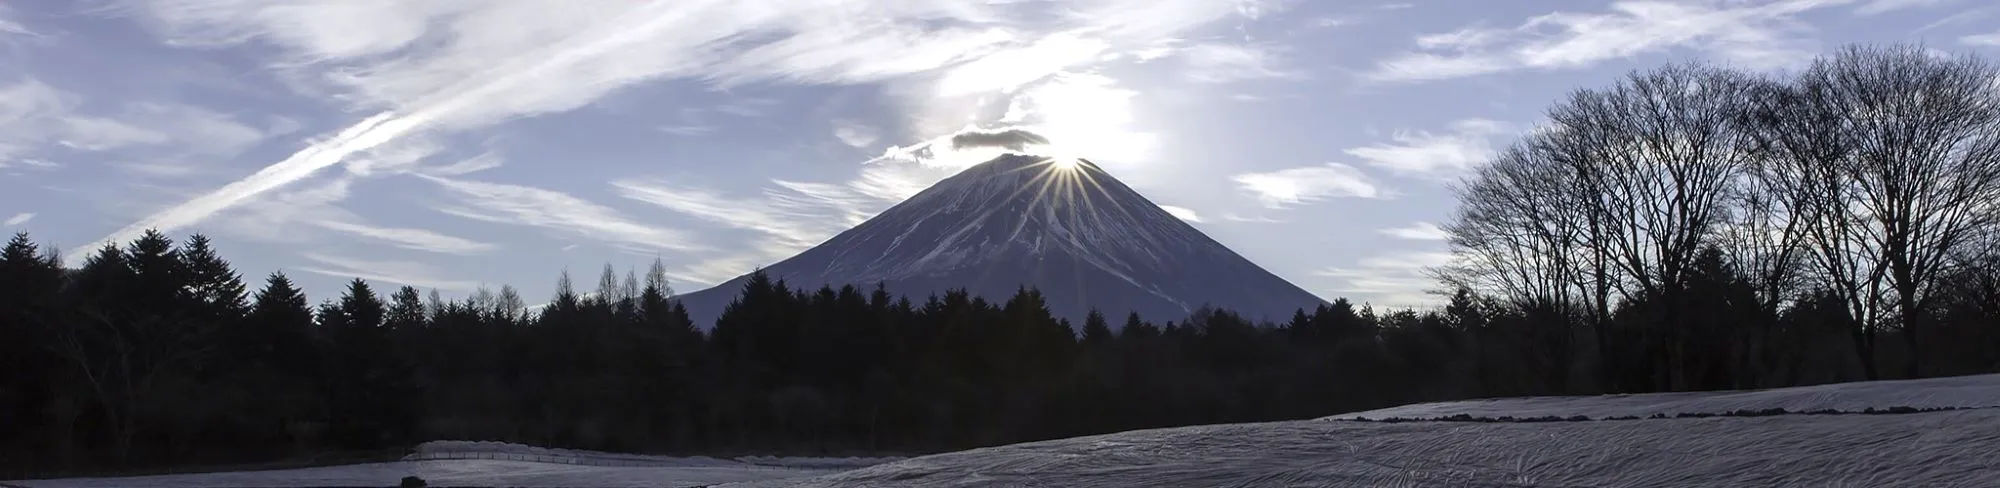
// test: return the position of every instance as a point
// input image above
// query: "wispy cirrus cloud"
(97, 134)
(1436, 156)
(786, 221)
(1982, 39)
(1753, 34)
(1226, 63)
(411, 238)
(557, 212)
(166, 138)
(1399, 279)
(855, 134)
(1418, 231)
(457, 64)
(1294, 186)
(1253, 219)
(20, 218)
(305, 217)
(10, 24)
(31, 114)
(1182, 213)
(1878, 7)
(399, 272)
(792, 227)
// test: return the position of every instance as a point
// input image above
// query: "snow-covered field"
(1943, 449)
(1953, 448)
(472, 464)
(1925, 394)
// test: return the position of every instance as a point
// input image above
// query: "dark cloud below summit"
(1010, 139)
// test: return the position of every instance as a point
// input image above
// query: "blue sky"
(452, 144)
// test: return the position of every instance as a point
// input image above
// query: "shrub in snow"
(412, 482)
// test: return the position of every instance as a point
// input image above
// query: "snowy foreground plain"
(1949, 448)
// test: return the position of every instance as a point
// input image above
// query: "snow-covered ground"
(444, 450)
(1940, 449)
(1952, 448)
(1926, 394)
(472, 464)
(450, 473)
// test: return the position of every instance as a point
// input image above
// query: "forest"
(1689, 227)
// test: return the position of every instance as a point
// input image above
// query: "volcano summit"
(1069, 229)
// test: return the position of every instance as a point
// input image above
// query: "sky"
(455, 144)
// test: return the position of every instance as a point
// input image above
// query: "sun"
(1064, 164)
(1083, 115)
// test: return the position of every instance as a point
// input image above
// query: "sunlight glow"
(1084, 115)
(1081, 116)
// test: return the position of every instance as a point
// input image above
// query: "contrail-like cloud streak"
(383, 128)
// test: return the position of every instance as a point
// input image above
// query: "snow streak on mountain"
(1068, 229)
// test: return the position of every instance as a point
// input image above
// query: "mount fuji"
(1066, 228)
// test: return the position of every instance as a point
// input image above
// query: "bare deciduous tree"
(1620, 192)
(1889, 158)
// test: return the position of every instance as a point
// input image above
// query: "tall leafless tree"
(1619, 193)
(1889, 158)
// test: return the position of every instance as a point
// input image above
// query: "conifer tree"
(406, 309)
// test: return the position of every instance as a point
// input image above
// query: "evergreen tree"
(1096, 333)
(214, 285)
(29, 315)
(406, 309)
(361, 306)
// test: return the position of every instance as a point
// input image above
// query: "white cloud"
(1397, 279)
(193, 130)
(1225, 63)
(1751, 34)
(1335, 21)
(20, 218)
(789, 218)
(204, 132)
(1282, 188)
(417, 239)
(1963, 16)
(747, 107)
(557, 211)
(686, 130)
(1432, 66)
(394, 157)
(9, 26)
(1982, 39)
(1877, 7)
(1438, 156)
(791, 230)
(97, 134)
(447, 65)
(30, 112)
(1182, 213)
(399, 272)
(466, 166)
(1419, 231)
(855, 134)
(35, 117)
(1255, 219)
(301, 218)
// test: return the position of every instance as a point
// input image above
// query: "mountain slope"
(1080, 236)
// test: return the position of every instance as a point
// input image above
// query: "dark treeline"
(1690, 228)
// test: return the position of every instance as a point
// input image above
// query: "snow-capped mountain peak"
(1065, 227)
